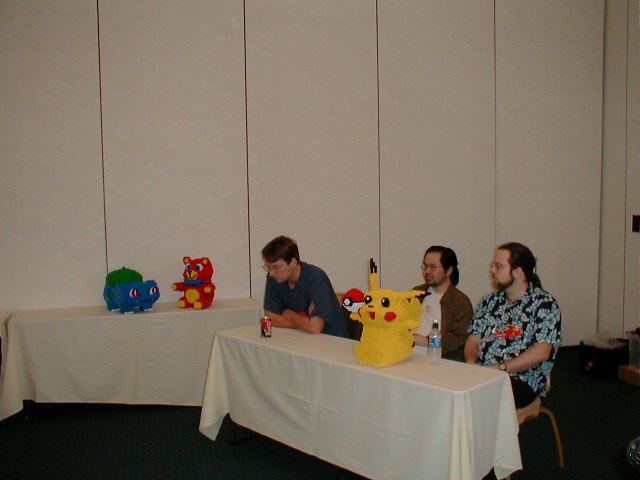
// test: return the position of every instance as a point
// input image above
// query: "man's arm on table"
(421, 340)
(471, 347)
(537, 354)
(291, 319)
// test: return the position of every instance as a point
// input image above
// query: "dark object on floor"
(239, 433)
(603, 363)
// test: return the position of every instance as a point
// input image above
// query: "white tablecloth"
(412, 420)
(95, 356)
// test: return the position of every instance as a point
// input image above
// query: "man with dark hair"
(297, 294)
(517, 327)
(443, 302)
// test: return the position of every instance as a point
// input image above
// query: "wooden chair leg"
(554, 426)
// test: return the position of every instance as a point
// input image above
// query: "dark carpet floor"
(598, 417)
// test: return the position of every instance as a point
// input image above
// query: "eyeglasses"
(498, 266)
(426, 267)
(271, 268)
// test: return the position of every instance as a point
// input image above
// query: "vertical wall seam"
(104, 188)
(246, 139)
(602, 136)
(378, 138)
(495, 127)
(626, 162)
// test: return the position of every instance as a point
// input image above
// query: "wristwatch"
(503, 367)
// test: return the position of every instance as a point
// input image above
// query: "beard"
(502, 285)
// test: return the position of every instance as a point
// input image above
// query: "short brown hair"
(281, 248)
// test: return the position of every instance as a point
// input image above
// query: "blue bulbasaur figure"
(125, 290)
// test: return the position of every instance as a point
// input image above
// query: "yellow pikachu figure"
(389, 319)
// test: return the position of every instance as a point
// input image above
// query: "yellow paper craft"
(389, 319)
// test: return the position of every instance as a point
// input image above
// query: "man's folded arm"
(292, 319)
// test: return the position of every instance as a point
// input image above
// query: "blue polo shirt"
(313, 286)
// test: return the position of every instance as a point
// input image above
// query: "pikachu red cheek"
(390, 316)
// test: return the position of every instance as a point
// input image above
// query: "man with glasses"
(443, 302)
(297, 294)
(517, 327)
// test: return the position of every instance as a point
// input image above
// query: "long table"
(91, 355)
(412, 420)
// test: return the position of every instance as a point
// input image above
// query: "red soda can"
(265, 326)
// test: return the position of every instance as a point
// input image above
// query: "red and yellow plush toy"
(389, 319)
(198, 288)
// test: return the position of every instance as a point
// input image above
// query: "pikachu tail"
(373, 275)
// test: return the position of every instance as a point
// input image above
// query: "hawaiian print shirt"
(507, 330)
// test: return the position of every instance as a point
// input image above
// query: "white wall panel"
(548, 103)
(52, 244)
(436, 138)
(174, 139)
(632, 240)
(613, 219)
(312, 129)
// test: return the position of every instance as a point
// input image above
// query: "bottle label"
(435, 342)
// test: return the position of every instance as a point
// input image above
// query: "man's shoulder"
(424, 287)
(456, 299)
(539, 294)
(314, 277)
(455, 292)
(541, 299)
(493, 296)
(312, 271)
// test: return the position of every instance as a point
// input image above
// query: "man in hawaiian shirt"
(517, 327)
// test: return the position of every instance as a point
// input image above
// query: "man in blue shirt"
(297, 294)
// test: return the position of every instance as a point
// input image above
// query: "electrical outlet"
(635, 223)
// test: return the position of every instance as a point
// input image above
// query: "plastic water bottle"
(435, 344)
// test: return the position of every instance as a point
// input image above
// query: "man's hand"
(421, 340)
(292, 319)
(530, 358)
(471, 347)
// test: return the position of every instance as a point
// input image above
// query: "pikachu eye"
(368, 299)
(385, 302)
